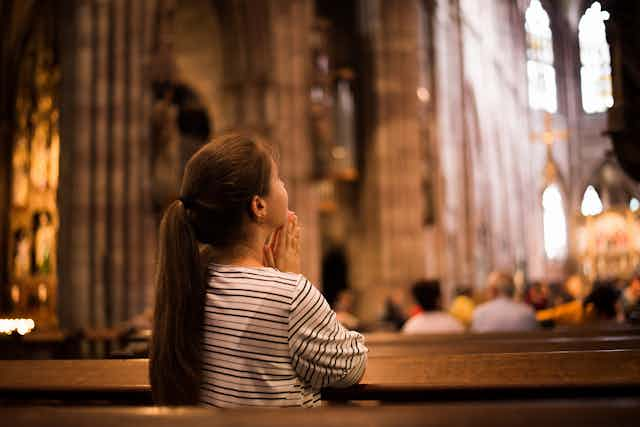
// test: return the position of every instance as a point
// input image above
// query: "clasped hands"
(282, 248)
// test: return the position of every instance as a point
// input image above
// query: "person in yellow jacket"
(571, 313)
(462, 306)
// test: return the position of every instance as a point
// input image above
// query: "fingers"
(285, 245)
(269, 260)
(291, 229)
(269, 241)
(296, 238)
(295, 235)
(275, 240)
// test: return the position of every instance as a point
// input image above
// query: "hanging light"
(591, 203)
(634, 204)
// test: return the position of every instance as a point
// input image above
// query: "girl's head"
(231, 184)
(230, 191)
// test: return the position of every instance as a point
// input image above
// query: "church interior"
(440, 150)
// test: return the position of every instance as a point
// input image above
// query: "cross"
(548, 136)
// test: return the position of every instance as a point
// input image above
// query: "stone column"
(287, 106)
(450, 147)
(107, 232)
(388, 248)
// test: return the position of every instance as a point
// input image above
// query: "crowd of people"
(502, 306)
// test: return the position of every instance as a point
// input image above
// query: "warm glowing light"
(22, 326)
(541, 74)
(595, 72)
(339, 153)
(634, 204)
(554, 222)
(423, 94)
(591, 203)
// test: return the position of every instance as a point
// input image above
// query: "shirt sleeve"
(323, 352)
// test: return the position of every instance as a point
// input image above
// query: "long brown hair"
(217, 187)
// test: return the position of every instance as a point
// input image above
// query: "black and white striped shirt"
(271, 339)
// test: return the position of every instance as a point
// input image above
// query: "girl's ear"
(258, 208)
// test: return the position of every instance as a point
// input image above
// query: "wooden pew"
(407, 378)
(40, 345)
(61, 344)
(424, 344)
(387, 343)
(79, 381)
(496, 376)
(395, 338)
(585, 413)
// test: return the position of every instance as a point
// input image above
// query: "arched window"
(554, 222)
(595, 73)
(540, 71)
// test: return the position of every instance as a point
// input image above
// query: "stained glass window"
(595, 73)
(540, 71)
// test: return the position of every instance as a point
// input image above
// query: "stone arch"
(221, 49)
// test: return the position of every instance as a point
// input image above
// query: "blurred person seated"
(630, 300)
(463, 305)
(395, 311)
(430, 319)
(604, 300)
(573, 312)
(502, 313)
(558, 293)
(344, 308)
(537, 295)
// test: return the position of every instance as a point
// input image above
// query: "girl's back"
(270, 339)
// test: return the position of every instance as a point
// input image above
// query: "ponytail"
(217, 186)
(174, 365)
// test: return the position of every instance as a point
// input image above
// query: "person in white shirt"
(243, 328)
(431, 319)
(502, 313)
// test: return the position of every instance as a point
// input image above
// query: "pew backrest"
(420, 376)
(586, 413)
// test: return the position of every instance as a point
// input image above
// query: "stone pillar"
(107, 231)
(450, 147)
(388, 249)
(287, 106)
(5, 203)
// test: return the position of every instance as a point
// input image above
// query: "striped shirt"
(271, 339)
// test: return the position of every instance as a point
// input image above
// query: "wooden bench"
(380, 344)
(59, 344)
(423, 344)
(80, 381)
(428, 377)
(585, 413)
(395, 338)
(40, 345)
(433, 377)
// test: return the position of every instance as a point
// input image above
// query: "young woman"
(241, 327)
